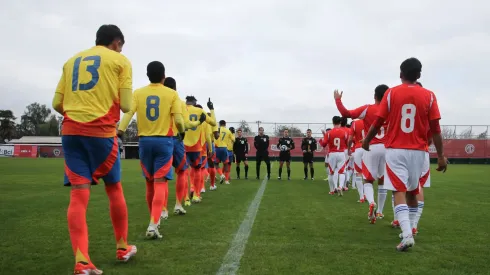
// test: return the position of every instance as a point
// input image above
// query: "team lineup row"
(96, 84)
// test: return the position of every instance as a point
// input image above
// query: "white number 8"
(336, 142)
(408, 113)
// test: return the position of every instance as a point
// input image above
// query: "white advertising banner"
(6, 150)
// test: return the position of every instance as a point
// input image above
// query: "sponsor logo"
(469, 149)
(56, 152)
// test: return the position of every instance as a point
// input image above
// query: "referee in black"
(261, 144)
(240, 148)
(308, 145)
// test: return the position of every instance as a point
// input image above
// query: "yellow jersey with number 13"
(154, 106)
(90, 85)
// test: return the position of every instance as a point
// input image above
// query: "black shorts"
(285, 156)
(240, 157)
(262, 156)
(308, 157)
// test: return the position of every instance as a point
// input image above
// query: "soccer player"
(207, 150)
(285, 145)
(225, 137)
(373, 162)
(343, 126)
(355, 139)
(231, 156)
(240, 148)
(336, 140)
(308, 146)
(324, 145)
(157, 108)
(95, 85)
(179, 161)
(212, 158)
(193, 143)
(411, 111)
(261, 144)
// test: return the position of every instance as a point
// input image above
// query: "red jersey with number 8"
(408, 109)
(337, 140)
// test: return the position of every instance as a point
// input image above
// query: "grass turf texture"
(299, 228)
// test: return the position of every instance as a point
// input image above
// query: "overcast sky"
(261, 60)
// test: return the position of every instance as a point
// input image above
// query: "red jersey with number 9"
(337, 140)
(408, 109)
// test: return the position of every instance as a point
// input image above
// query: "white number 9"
(381, 133)
(336, 142)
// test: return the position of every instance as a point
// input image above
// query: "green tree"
(51, 127)
(245, 128)
(7, 125)
(34, 116)
(131, 134)
(293, 131)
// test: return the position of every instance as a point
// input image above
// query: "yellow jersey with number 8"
(90, 85)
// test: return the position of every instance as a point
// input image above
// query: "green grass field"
(299, 228)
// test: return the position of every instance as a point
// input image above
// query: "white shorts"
(326, 159)
(403, 169)
(425, 177)
(373, 162)
(357, 156)
(336, 163)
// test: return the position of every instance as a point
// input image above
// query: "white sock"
(420, 208)
(330, 182)
(341, 180)
(393, 204)
(381, 198)
(360, 188)
(412, 216)
(328, 171)
(402, 215)
(369, 192)
(335, 180)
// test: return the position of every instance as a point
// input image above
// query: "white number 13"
(408, 118)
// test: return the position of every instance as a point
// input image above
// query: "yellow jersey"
(154, 106)
(225, 137)
(188, 124)
(90, 85)
(206, 138)
(193, 140)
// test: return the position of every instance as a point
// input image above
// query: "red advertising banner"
(453, 148)
(25, 151)
(51, 152)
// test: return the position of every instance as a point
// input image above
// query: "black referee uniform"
(240, 148)
(261, 144)
(309, 146)
(285, 155)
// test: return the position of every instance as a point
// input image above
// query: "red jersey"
(358, 131)
(408, 109)
(368, 113)
(337, 140)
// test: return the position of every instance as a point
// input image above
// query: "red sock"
(203, 178)
(192, 175)
(205, 173)
(77, 224)
(220, 171)
(149, 194)
(158, 200)
(196, 181)
(119, 214)
(180, 186)
(186, 184)
(165, 199)
(227, 175)
(212, 175)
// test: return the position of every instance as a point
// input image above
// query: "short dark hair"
(222, 123)
(155, 71)
(261, 128)
(169, 82)
(198, 106)
(418, 83)
(308, 130)
(343, 121)
(348, 125)
(239, 130)
(410, 69)
(328, 129)
(106, 34)
(336, 120)
(232, 129)
(190, 100)
(380, 91)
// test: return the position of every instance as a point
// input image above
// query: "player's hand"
(210, 104)
(442, 164)
(337, 94)
(120, 134)
(181, 136)
(202, 118)
(365, 145)
(323, 131)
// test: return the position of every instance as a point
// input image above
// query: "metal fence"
(299, 129)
